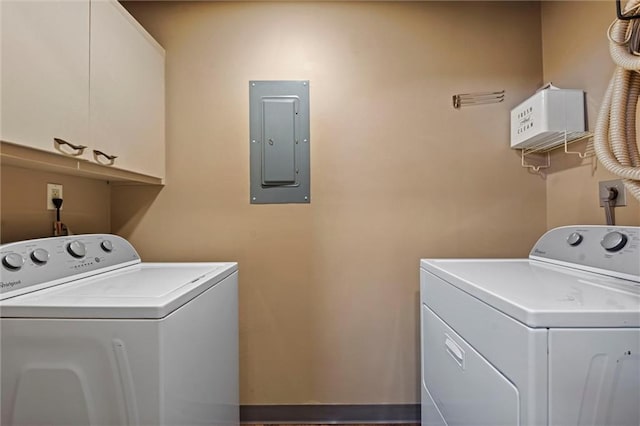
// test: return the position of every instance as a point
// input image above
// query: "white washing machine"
(92, 336)
(549, 340)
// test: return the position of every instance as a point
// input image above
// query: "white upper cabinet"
(45, 74)
(126, 91)
(86, 73)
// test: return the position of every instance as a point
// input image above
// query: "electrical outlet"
(54, 190)
(604, 186)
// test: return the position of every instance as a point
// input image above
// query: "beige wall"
(576, 55)
(328, 291)
(86, 207)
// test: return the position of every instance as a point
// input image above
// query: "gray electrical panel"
(279, 142)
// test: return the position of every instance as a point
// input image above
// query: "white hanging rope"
(615, 141)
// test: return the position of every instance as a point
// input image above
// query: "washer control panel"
(611, 250)
(35, 264)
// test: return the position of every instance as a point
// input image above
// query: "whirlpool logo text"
(9, 284)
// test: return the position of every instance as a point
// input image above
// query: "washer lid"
(145, 290)
(543, 295)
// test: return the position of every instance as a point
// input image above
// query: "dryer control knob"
(614, 241)
(574, 239)
(107, 246)
(40, 256)
(13, 261)
(76, 249)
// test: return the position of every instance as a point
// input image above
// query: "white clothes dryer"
(549, 340)
(90, 335)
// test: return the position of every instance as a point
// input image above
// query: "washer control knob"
(13, 261)
(107, 246)
(76, 249)
(40, 256)
(574, 239)
(614, 241)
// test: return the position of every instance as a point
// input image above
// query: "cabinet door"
(126, 92)
(45, 73)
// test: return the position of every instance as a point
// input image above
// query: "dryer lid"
(540, 294)
(145, 290)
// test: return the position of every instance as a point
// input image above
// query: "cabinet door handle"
(79, 148)
(111, 158)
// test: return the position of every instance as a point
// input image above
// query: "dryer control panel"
(609, 250)
(36, 264)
